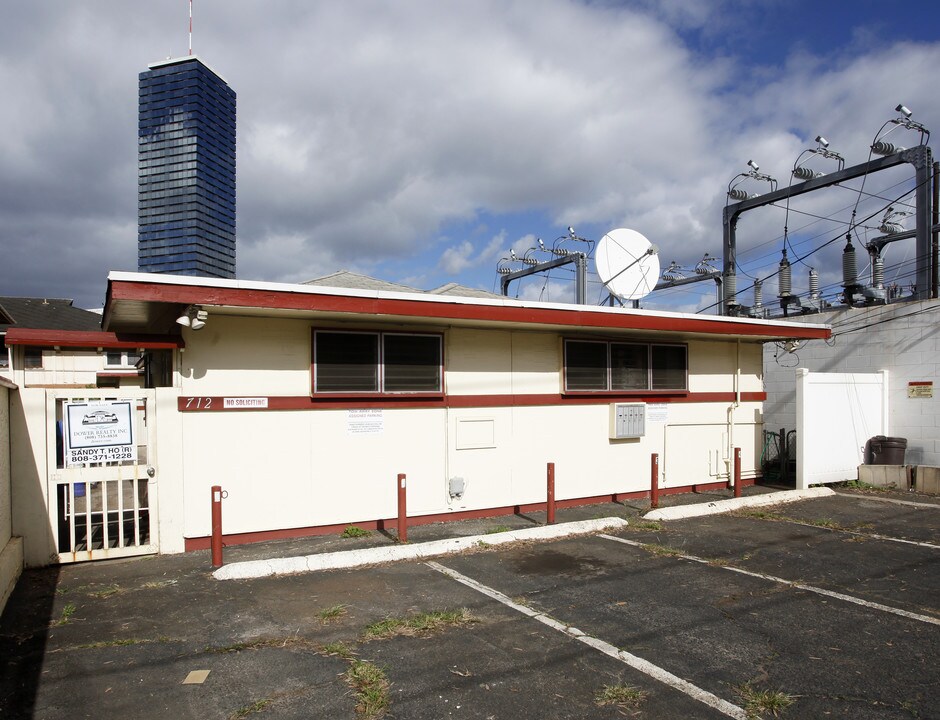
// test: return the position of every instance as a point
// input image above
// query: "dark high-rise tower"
(186, 170)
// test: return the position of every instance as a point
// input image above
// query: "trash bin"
(881, 450)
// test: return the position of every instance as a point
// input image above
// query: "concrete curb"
(679, 512)
(376, 555)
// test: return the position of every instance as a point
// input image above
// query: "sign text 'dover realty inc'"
(99, 432)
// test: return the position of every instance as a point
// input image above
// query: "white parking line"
(909, 503)
(791, 583)
(637, 663)
(873, 536)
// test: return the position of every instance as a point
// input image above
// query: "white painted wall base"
(11, 565)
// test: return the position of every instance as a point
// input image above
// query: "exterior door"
(101, 460)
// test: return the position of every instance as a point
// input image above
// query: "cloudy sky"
(420, 141)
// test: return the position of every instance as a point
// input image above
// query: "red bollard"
(402, 509)
(737, 472)
(216, 526)
(550, 504)
(654, 481)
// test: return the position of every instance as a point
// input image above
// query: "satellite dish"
(627, 263)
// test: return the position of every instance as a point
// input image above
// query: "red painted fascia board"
(243, 297)
(216, 403)
(89, 339)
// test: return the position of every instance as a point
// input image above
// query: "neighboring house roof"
(149, 302)
(90, 339)
(455, 289)
(355, 281)
(45, 313)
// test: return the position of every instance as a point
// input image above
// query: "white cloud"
(365, 128)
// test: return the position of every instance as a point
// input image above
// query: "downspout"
(731, 408)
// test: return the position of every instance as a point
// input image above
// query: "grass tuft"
(247, 710)
(420, 624)
(353, 531)
(67, 612)
(650, 525)
(107, 592)
(663, 550)
(620, 696)
(371, 687)
(498, 529)
(332, 613)
(338, 648)
(757, 702)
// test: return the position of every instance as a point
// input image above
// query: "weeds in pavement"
(498, 529)
(107, 592)
(757, 702)
(620, 696)
(338, 648)
(332, 613)
(420, 624)
(247, 710)
(664, 550)
(371, 686)
(67, 612)
(650, 525)
(353, 531)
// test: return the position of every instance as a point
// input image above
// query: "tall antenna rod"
(190, 27)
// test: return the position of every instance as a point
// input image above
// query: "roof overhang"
(145, 302)
(91, 339)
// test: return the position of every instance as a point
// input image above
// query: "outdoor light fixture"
(802, 172)
(735, 193)
(193, 317)
(880, 147)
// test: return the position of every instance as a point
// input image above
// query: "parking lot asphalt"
(825, 608)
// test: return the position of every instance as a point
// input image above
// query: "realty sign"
(99, 432)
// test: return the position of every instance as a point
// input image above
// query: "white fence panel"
(836, 413)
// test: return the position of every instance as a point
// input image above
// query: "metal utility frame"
(919, 157)
(578, 259)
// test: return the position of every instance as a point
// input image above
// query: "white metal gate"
(101, 460)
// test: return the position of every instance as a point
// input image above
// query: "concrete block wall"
(902, 338)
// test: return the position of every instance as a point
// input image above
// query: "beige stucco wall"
(304, 467)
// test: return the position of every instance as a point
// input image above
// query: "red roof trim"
(282, 300)
(90, 339)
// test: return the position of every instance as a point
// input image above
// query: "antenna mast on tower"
(190, 27)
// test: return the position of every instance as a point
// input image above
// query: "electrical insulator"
(804, 173)
(891, 228)
(813, 283)
(885, 148)
(758, 293)
(878, 272)
(784, 278)
(738, 194)
(849, 265)
(731, 289)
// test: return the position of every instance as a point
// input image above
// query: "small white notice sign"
(657, 412)
(365, 422)
(244, 403)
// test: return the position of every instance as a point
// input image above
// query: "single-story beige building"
(304, 403)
